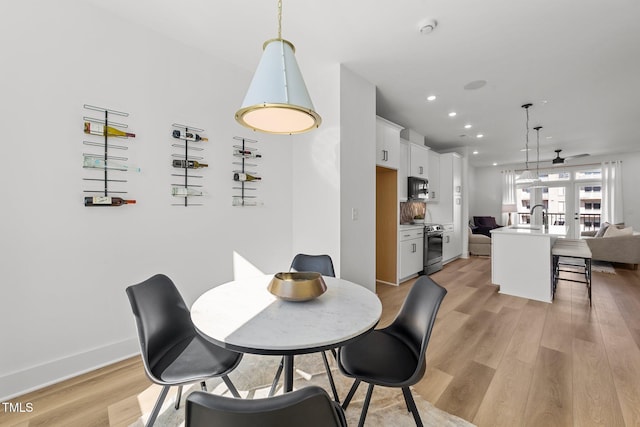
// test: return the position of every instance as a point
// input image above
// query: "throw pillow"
(615, 232)
(602, 230)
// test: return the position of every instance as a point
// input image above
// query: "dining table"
(243, 316)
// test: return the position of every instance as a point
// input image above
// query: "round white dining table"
(244, 316)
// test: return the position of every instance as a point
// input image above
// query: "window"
(594, 175)
(588, 189)
(597, 188)
(588, 206)
(596, 206)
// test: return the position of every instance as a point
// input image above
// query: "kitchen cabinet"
(418, 161)
(448, 210)
(403, 170)
(434, 177)
(387, 143)
(411, 251)
(448, 247)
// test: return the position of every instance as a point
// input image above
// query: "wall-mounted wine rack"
(110, 167)
(186, 160)
(245, 177)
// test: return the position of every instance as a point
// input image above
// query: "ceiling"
(577, 61)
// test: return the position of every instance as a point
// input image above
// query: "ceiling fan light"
(277, 100)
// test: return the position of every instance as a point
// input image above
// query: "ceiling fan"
(560, 160)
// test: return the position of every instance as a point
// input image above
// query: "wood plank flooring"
(493, 359)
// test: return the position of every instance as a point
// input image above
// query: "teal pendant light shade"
(277, 100)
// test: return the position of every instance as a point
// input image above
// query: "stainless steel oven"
(432, 248)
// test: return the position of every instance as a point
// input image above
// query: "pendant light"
(277, 100)
(527, 176)
(537, 182)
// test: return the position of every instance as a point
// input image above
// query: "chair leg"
(365, 406)
(178, 397)
(276, 379)
(411, 404)
(157, 406)
(203, 386)
(231, 387)
(352, 391)
(333, 384)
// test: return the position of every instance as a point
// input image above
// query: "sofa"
(484, 225)
(613, 247)
(479, 244)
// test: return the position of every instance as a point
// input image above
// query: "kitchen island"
(521, 260)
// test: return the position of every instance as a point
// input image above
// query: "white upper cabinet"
(387, 143)
(418, 161)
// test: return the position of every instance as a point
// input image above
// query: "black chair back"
(308, 407)
(414, 322)
(318, 263)
(162, 317)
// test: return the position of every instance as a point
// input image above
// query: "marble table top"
(244, 316)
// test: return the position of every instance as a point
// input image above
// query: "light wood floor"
(493, 359)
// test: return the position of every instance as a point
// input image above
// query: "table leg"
(288, 373)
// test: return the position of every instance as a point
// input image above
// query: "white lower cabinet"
(411, 250)
(448, 246)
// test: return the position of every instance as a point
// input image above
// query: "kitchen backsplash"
(408, 210)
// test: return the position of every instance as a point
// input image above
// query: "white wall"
(65, 267)
(486, 188)
(316, 171)
(357, 178)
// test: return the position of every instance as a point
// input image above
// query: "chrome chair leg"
(276, 379)
(230, 386)
(157, 406)
(178, 397)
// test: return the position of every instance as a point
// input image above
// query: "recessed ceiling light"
(431, 98)
(525, 149)
(476, 84)
(479, 135)
(495, 164)
(475, 152)
(467, 126)
(549, 137)
(452, 114)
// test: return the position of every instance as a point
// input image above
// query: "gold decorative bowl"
(297, 286)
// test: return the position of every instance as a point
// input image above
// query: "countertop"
(525, 230)
(407, 226)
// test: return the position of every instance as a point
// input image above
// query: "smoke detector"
(428, 26)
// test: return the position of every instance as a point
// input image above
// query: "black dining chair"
(395, 356)
(173, 353)
(309, 407)
(324, 265)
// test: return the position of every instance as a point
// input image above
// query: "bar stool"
(577, 250)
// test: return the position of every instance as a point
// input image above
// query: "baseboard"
(21, 382)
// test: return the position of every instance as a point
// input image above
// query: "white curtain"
(508, 191)
(612, 208)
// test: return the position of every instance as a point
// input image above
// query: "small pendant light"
(537, 182)
(277, 100)
(527, 176)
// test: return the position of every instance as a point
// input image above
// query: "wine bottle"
(106, 201)
(245, 177)
(98, 129)
(189, 164)
(185, 191)
(99, 163)
(247, 153)
(188, 136)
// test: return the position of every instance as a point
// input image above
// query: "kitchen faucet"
(545, 222)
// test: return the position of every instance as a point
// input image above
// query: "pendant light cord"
(526, 148)
(280, 19)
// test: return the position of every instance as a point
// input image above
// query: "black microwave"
(418, 188)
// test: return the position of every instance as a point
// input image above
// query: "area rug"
(603, 267)
(253, 379)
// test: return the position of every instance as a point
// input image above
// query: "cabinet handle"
(420, 170)
(413, 247)
(407, 235)
(386, 155)
(448, 239)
